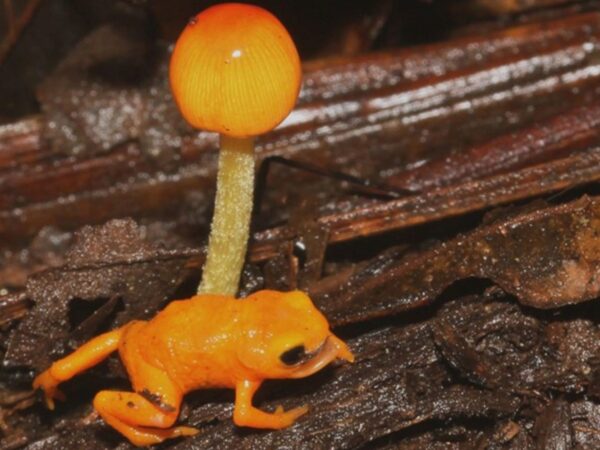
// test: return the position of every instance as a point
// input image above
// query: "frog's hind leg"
(139, 419)
(86, 356)
(145, 416)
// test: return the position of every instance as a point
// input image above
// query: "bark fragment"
(546, 258)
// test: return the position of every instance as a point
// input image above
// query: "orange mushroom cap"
(235, 70)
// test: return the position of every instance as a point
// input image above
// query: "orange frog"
(207, 341)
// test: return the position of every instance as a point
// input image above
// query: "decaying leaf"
(108, 262)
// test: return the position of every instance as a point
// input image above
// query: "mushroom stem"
(231, 220)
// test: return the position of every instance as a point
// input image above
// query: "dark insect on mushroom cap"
(235, 70)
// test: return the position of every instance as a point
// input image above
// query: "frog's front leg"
(139, 419)
(247, 415)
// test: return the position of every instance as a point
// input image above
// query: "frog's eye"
(293, 356)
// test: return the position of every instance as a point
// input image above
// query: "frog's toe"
(49, 399)
(184, 431)
(49, 385)
(51, 395)
(289, 417)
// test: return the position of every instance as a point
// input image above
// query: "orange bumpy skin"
(206, 341)
(235, 70)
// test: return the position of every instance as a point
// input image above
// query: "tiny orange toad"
(207, 341)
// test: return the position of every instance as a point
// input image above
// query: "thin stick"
(16, 26)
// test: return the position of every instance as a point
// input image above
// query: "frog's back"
(189, 336)
(198, 318)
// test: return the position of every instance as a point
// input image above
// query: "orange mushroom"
(234, 70)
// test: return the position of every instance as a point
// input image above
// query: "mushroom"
(235, 70)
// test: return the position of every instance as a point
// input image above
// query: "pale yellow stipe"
(231, 221)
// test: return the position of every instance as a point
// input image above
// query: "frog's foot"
(49, 384)
(292, 415)
(254, 417)
(144, 436)
(139, 420)
(246, 415)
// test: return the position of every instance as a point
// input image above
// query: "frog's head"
(283, 335)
